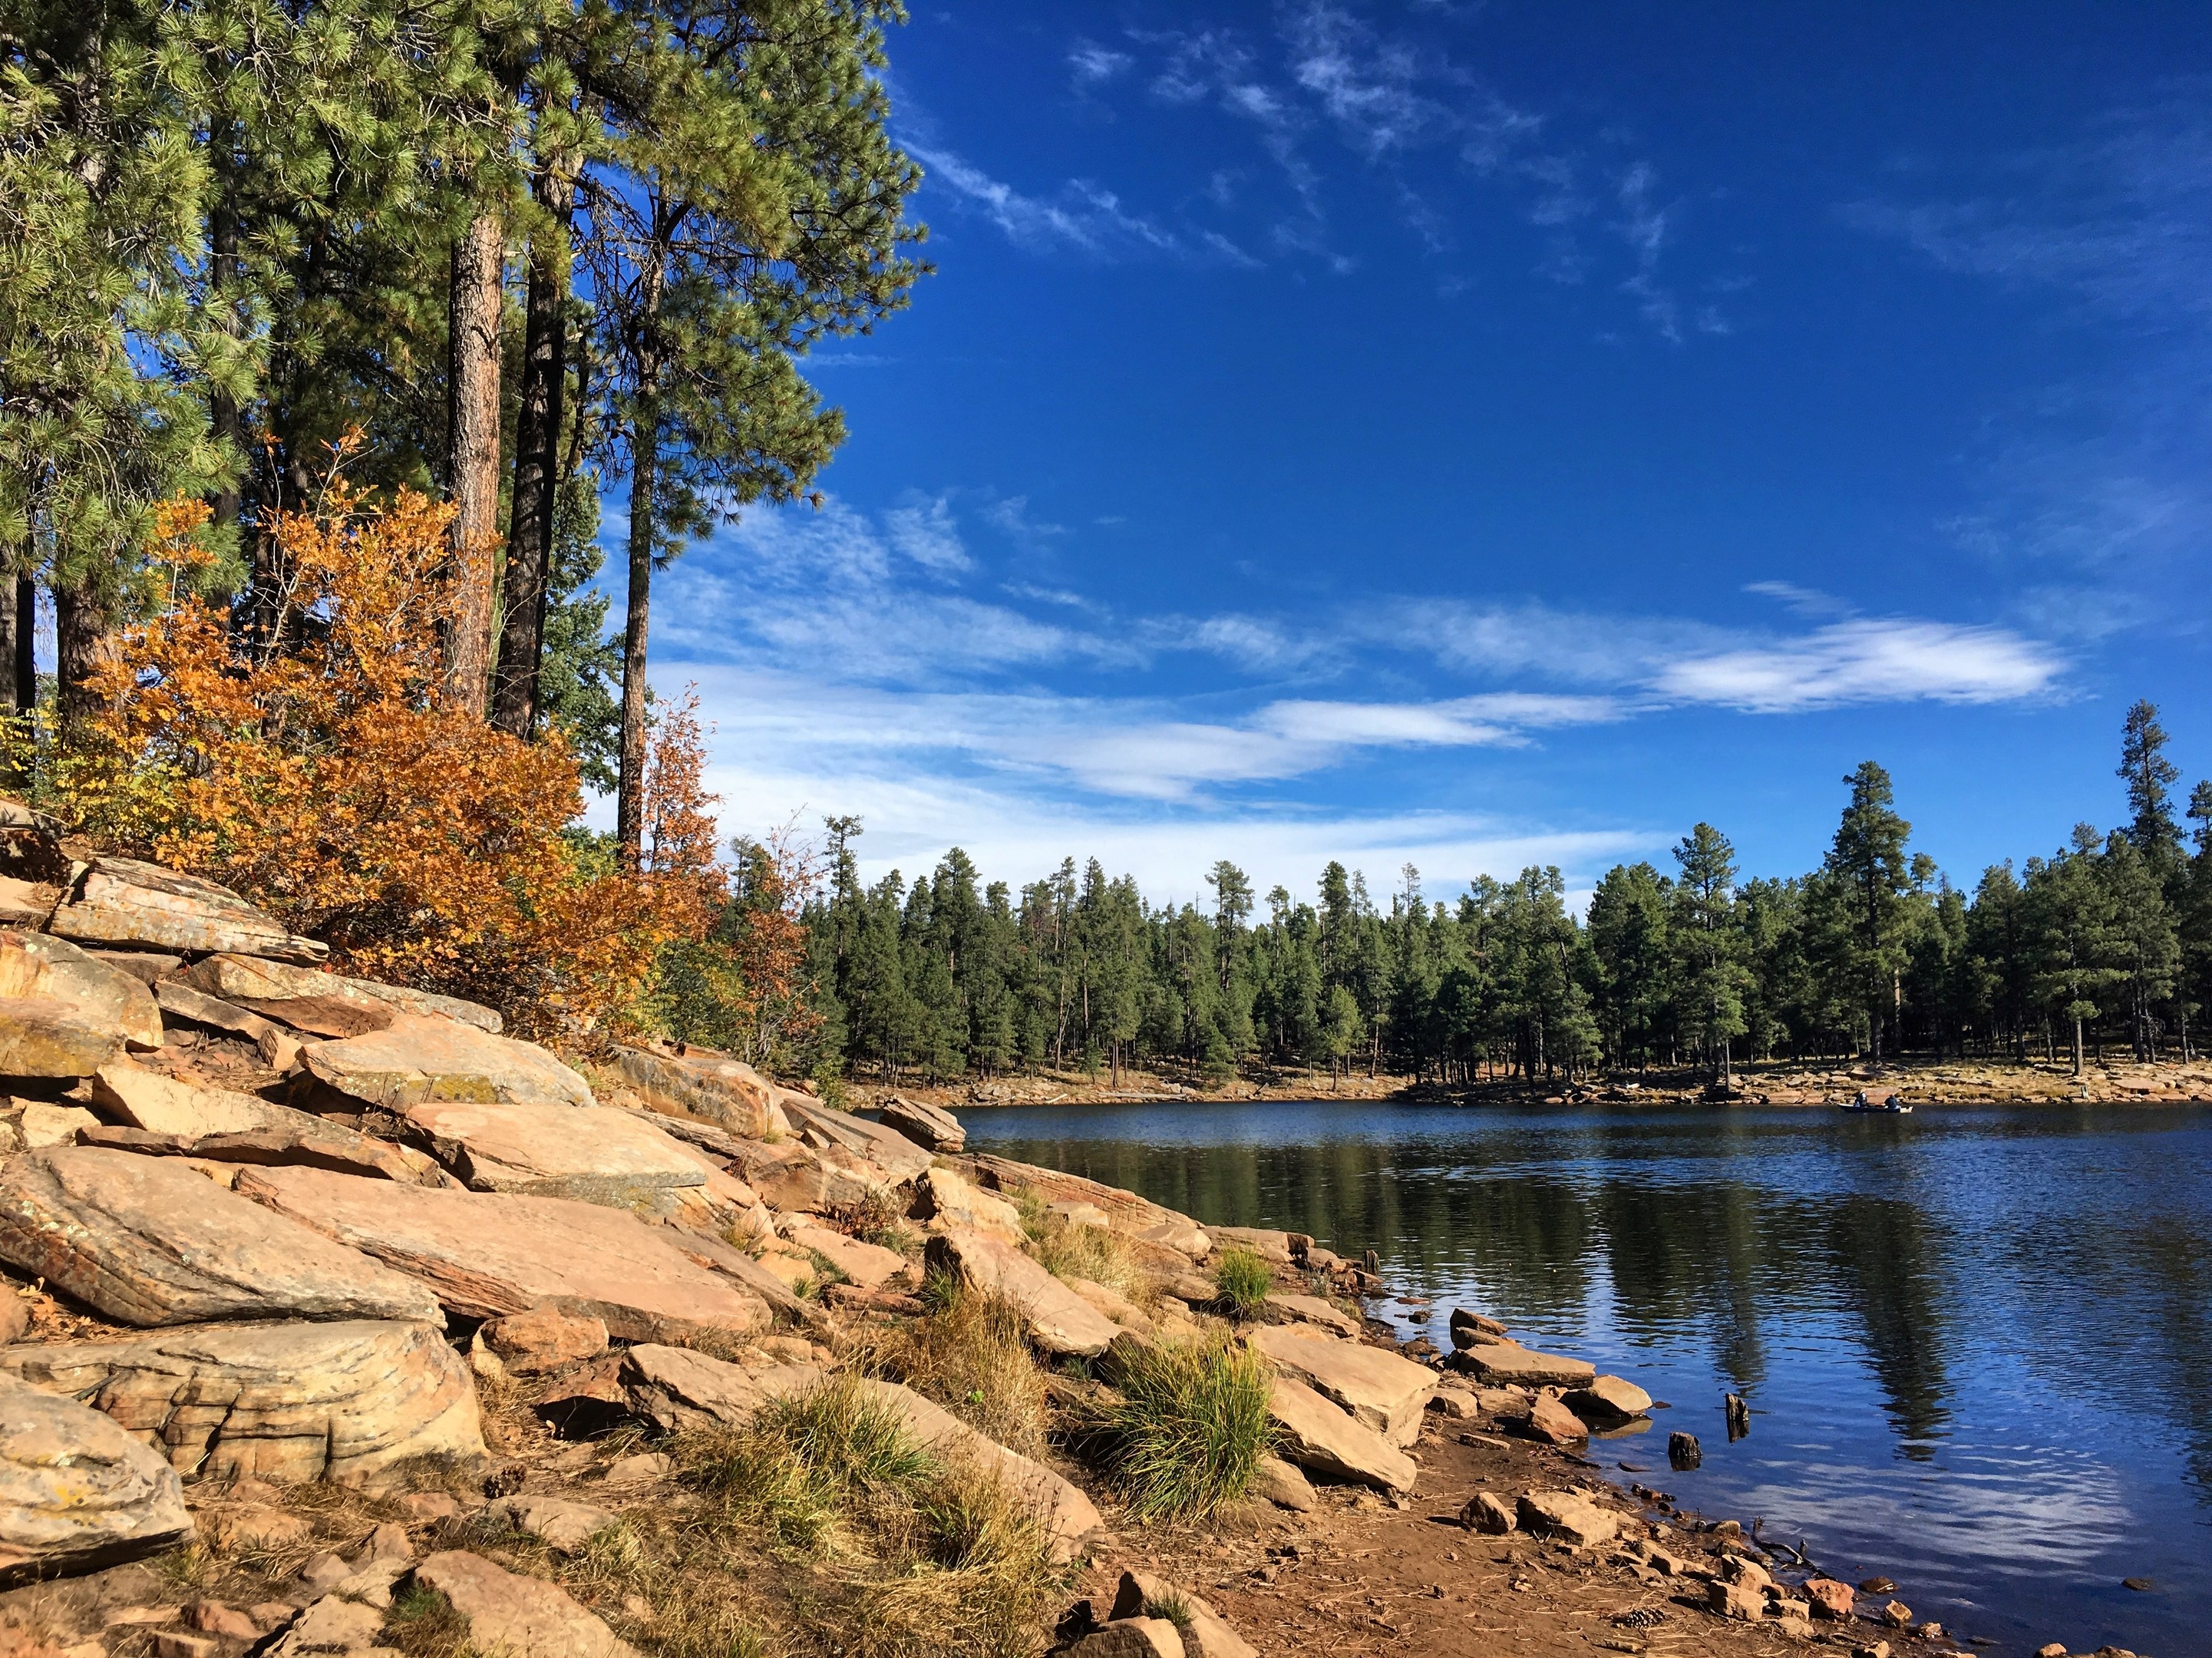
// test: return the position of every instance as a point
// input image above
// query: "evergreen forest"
(2104, 943)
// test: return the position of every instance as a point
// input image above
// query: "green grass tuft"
(1185, 1438)
(1244, 1279)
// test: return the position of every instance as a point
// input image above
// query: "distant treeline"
(2107, 940)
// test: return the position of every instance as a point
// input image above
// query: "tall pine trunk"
(225, 271)
(537, 468)
(80, 623)
(473, 452)
(19, 685)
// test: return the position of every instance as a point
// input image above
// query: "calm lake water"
(1979, 1340)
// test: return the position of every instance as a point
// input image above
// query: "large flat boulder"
(798, 1178)
(1383, 1391)
(165, 1116)
(1125, 1211)
(820, 1125)
(77, 1492)
(1059, 1321)
(515, 1616)
(677, 1080)
(676, 1388)
(1324, 1439)
(593, 1153)
(121, 901)
(147, 1241)
(943, 1200)
(306, 998)
(868, 1265)
(485, 1254)
(1067, 1516)
(1502, 1365)
(416, 1059)
(930, 1127)
(356, 1403)
(38, 965)
(42, 1037)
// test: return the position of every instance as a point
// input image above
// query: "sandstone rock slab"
(515, 1616)
(543, 1339)
(122, 901)
(676, 1388)
(1607, 1401)
(1312, 1309)
(1567, 1515)
(698, 1082)
(1067, 1516)
(1205, 1632)
(355, 1402)
(593, 1153)
(415, 1059)
(930, 1127)
(942, 1199)
(557, 1521)
(868, 1265)
(1280, 1482)
(1322, 1438)
(1059, 1321)
(1383, 1391)
(42, 1037)
(1505, 1366)
(293, 995)
(1552, 1421)
(141, 1097)
(323, 1145)
(148, 1241)
(181, 1004)
(76, 1491)
(1126, 1212)
(37, 965)
(486, 1254)
(819, 1124)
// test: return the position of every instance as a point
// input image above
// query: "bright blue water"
(1978, 1339)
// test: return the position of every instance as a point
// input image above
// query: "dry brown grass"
(971, 1355)
(1069, 1250)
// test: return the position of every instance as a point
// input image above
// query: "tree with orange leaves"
(324, 769)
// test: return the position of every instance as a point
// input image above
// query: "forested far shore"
(2105, 942)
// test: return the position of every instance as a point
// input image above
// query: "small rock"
(54, 1125)
(2141, 1585)
(1564, 1515)
(1608, 1400)
(1282, 1483)
(426, 1507)
(2051, 1649)
(14, 1318)
(1897, 1615)
(640, 1468)
(1204, 1633)
(332, 1624)
(324, 1572)
(1553, 1423)
(252, 1528)
(1831, 1599)
(213, 1617)
(175, 1644)
(1133, 1637)
(387, 1542)
(271, 1614)
(1736, 1601)
(1682, 1451)
(1748, 1573)
(554, 1520)
(1877, 1586)
(1871, 1649)
(637, 1606)
(525, 1615)
(543, 1339)
(1488, 1513)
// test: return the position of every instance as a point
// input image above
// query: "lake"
(1978, 1340)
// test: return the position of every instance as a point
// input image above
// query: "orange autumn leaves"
(314, 763)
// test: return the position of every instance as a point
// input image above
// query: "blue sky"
(1483, 434)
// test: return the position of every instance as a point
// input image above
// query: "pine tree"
(1713, 977)
(2150, 777)
(1872, 916)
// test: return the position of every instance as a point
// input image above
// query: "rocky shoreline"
(340, 1322)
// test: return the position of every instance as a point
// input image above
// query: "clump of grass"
(971, 1354)
(1185, 1438)
(1068, 1249)
(422, 1623)
(810, 1468)
(1244, 1279)
(1030, 1204)
(982, 1579)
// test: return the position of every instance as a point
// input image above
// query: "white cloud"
(925, 532)
(1084, 216)
(1094, 64)
(1869, 661)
